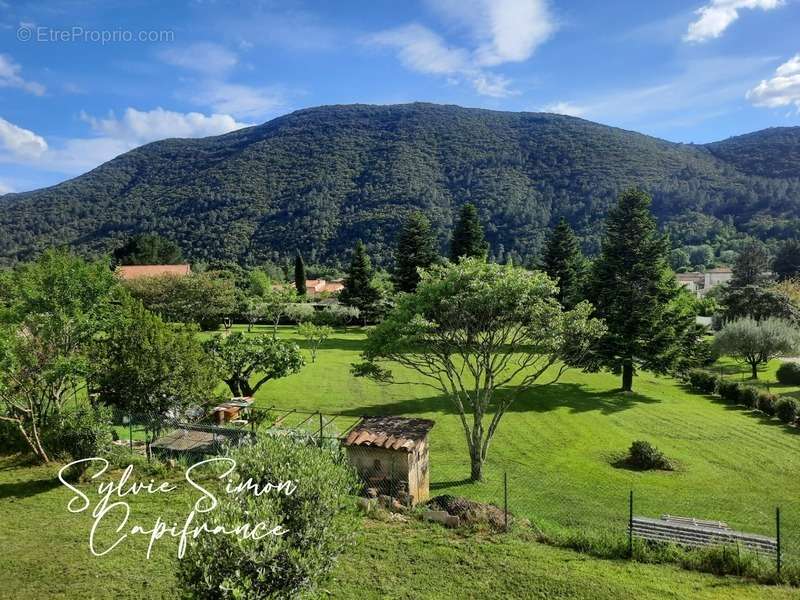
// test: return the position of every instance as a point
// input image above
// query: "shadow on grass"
(443, 485)
(575, 397)
(25, 489)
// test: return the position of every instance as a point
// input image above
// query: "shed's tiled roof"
(394, 433)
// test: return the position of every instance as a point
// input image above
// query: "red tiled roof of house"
(136, 271)
(394, 433)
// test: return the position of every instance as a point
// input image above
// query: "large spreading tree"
(757, 342)
(635, 293)
(468, 237)
(482, 334)
(416, 249)
(564, 263)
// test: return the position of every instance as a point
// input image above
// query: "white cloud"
(782, 90)
(565, 108)
(716, 16)
(204, 57)
(239, 100)
(17, 142)
(5, 188)
(10, 77)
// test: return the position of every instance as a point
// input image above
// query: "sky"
(82, 81)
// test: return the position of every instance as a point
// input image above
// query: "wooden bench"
(686, 531)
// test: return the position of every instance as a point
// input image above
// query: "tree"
(468, 237)
(254, 311)
(145, 366)
(755, 343)
(564, 263)
(299, 275)
(702, 255)
(259, 283)
(315, 335)
(316, 512)
(52, 311)
(482, 334)
(239, 358)
(148, 249)
(759, 303)
(359, 290)
(787, 261)
(750, 266)
(679, 259)
(636, 294)
(416, 249)
(276, 305)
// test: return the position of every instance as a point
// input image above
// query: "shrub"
(83, 433)
(730, 391)
(320, 525)
(766, 403)
(789, 373)
(748, 396)
(702, 381)
(787, 409)
(643, 455)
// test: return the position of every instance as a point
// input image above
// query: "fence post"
(130, 432)
(505, 500)
(630, 525)
(778, 539)
(320, 429)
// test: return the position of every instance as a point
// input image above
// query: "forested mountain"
(318, 179)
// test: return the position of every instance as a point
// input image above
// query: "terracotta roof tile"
(389, 432)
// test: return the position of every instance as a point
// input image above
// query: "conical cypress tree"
(359, 290)
(300, 275)
(564, 262)
(635, 293)
(468, 237)
(416, 249)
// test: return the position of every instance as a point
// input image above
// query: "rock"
(438, 516)
(366, 504)
(452, 521)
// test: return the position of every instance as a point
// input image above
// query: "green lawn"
(45, 555)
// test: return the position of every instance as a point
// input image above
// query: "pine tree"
(300, 275)
(468, 237)
(416, 249)
(750, 265)
(359, 291)
(636, 294)
(564, 262)
(787, 262)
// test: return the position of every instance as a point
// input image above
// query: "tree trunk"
(476, 465)
(627, 376)
(233, 384)
(754, 368)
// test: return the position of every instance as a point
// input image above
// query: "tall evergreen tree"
(148, 249)
(750, 265)
(468, 237)
(636, 294)
(416, 249)
(300, 275)
(564, 263)
(359, 290)
(787, 262)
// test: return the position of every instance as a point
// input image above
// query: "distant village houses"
(701, 283)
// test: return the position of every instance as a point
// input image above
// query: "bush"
(702, 381)
(748, 396)
(643, 455)
(787, 409)
(83, 433)
(319, 516)
(789, 373)
(730, 391)
(766, 403)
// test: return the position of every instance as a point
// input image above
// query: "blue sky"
(83, 81)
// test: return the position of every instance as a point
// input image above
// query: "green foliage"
(480, 334)
(756, 342)
(259, 283)
(204, 299)
(359, 289)
(565, 264)
(148, 249)
(750, 266)
(643, 455)
(788, 373)
(468, 237)
(730, 391)
(144, 365)
(787, 409)
(703, 381)
(240, 357)
(787, 261)
(318, 516)
(315, 335)
(767, 402)
(299, 275)
(82, 433)
(748, 396)
(759, 303)
(321, 178)
(416, 249)
(636, 294)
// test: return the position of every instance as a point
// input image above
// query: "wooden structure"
(232, 410)
(391, 455)
(690, 532)
(197, 440)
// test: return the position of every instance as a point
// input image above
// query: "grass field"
(557, 446)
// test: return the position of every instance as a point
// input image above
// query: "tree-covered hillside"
(318, 179)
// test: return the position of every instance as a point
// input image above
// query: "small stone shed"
(391, 455)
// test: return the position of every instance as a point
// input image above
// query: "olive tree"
(481, 334)
(757, 342)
